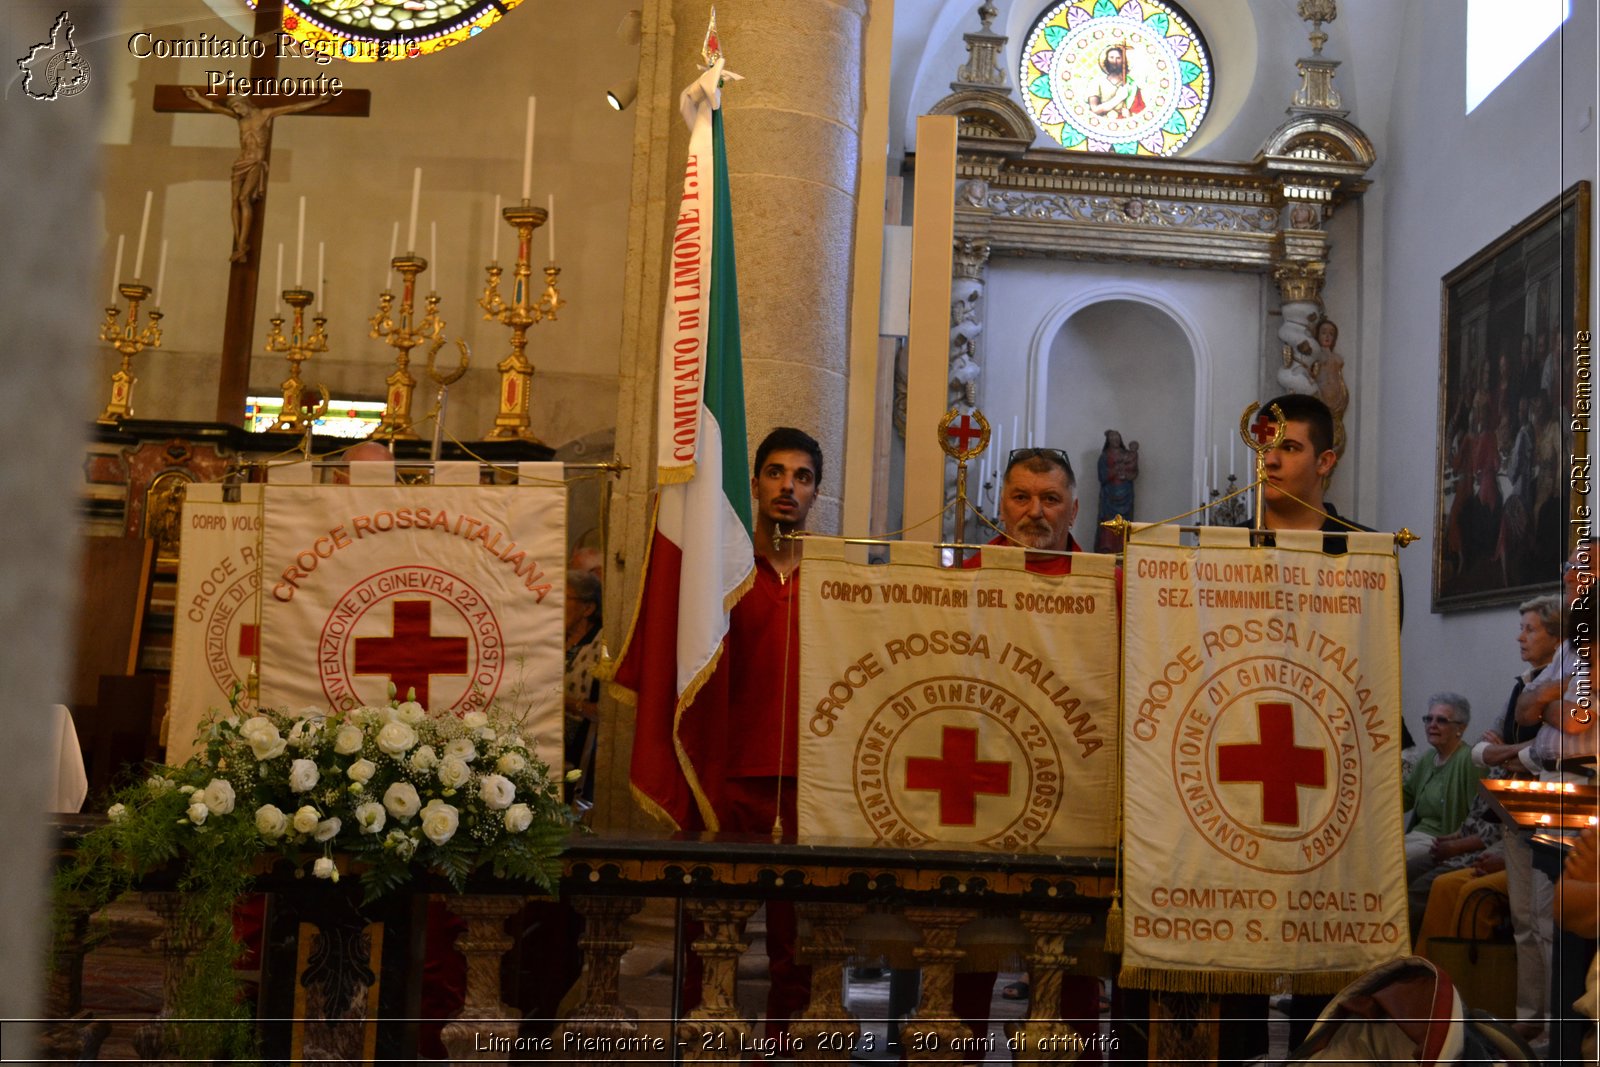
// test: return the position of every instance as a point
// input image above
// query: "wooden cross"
(238, 331)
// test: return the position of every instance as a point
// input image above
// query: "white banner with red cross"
(214, 628)
(957, 707)
(1261, 717)
(453, 592)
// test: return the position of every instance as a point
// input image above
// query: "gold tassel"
(1114, 926)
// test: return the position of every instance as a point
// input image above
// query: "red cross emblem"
(1264, 428)
(963, 432)
(1276, 763)
(412, 655)
(959, 776)
(249, 640)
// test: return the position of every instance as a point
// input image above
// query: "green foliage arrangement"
(389, 790)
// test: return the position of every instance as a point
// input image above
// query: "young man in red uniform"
(755, 780)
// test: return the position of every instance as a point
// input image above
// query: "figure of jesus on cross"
(250, 169)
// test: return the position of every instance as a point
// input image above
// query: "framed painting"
(1514, 365)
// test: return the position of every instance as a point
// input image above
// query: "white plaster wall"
(1214, 321)
(1449, 184)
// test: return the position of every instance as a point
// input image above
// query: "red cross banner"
(957, 707)
(214, 625)
(1261, 770)
(455, 592)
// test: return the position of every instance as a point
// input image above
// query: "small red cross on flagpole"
(412, 656)
(1264, 428)
(963, 432)
(1279, 765)
(959, 776)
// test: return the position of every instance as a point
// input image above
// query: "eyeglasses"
(1441, 720)
(1051, 455)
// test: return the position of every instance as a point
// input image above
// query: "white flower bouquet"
(386, 791)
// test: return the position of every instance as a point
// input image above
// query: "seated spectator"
(1480, 831)
(1453, 890)
(1439, 790)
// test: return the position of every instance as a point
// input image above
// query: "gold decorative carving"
(1300, 282)
(1042, 1030)
(933, 1033)
(826, 950)
(1183, 1028)
(600, 1014)
(715, 1031)
(486, 1026)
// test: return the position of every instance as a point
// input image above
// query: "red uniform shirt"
(763, 653)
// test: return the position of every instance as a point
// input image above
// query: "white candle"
(1016, 435)
(494, 227)
(1205, 480)
(527, 152)
(144, 226)
(279, 287)
(550, 224)
(433, 244)
(300, 245)
(321, 283)
(1232, 442)
(394, 242)
(1216, 471)
(416, 195)
(116, 272)
(161, 271)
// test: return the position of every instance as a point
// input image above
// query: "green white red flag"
(701, 558)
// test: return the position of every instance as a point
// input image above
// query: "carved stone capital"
(971, 257)
(600, 1014)
(1300, 281)
(826, 949)
(485, 1020)
(933, 1034)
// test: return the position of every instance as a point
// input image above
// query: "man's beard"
(1113, 66)
(1036, 533)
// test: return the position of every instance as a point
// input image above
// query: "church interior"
(888, 168)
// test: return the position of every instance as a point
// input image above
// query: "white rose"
(496, 792)
(219, 796)
(404, 845)
(117, 812)
(411, 712)
(347, 742)
(401, 800)
(396, 738)
(310, 711)
(439, 821)
(362, 770)
(305, 820)
(303, 775)
(488, 733)
(271, 821)
(267, 746)
(198, 812)
(370, 817)
(461, 748)
(518, 818)
(328, 829)
(158, 784)
(424, 759)
(474, 719)
(454, 772)
(324, 868)
(257, 724)
(511, 763)
(186, 789)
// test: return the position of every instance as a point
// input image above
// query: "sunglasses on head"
(1022, 455)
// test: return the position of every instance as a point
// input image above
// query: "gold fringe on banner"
(1114, 925)
(1215, 982)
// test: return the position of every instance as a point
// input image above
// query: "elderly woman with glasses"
(1439, 790)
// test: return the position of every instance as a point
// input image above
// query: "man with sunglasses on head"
(1038, 505)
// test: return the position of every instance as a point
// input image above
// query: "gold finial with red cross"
(1265, 433)
(963, 436)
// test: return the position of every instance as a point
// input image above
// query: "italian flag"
(701, 559)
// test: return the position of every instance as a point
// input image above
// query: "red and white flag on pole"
(700, 559)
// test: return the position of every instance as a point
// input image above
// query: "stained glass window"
(1132, 77)
(370, 31)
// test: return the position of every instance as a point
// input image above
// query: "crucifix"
(255, 115)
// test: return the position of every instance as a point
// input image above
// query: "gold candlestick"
(404, 336)
(128, 339)
(516, 373)
(298, 347)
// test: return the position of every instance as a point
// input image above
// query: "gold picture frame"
(1514, 322)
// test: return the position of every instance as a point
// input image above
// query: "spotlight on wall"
(621, 95)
